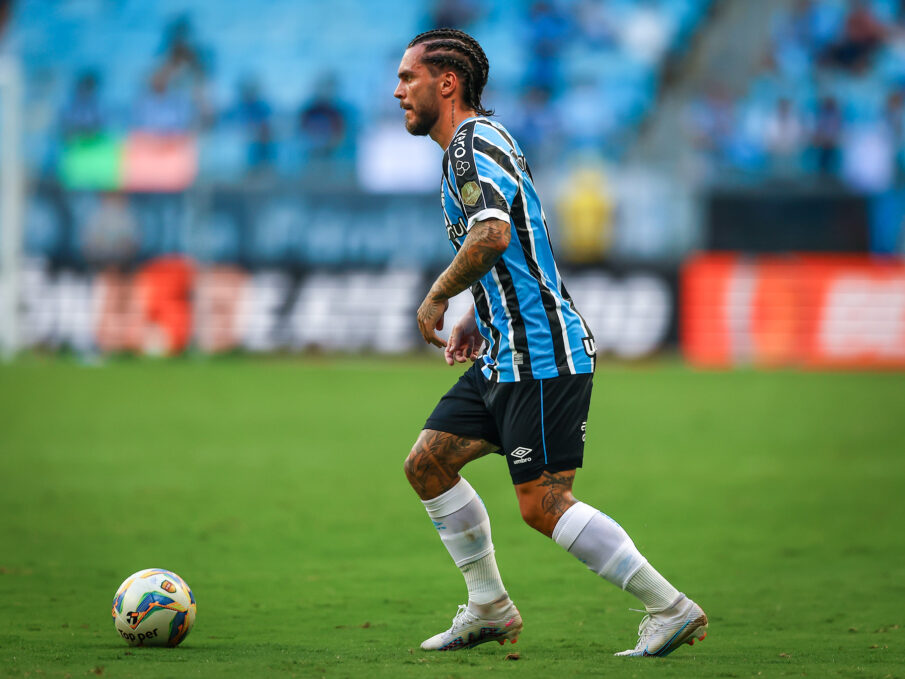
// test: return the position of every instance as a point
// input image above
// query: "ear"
(449, 84)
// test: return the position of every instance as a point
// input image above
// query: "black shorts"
(539, 425)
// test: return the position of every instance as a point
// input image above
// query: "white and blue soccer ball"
(153, 607)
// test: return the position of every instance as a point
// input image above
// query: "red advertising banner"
(805, 310)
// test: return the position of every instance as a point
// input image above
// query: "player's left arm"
(486, 242)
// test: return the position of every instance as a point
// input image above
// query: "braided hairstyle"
(460, 52)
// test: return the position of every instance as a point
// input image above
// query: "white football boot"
(663, 632)
(469, 630)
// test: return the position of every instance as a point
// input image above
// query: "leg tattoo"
(434, 463)
(558, 495)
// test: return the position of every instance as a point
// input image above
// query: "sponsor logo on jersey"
(471, 193)
(457, 230)
(462, 166)
(459, 144)
(590, 346)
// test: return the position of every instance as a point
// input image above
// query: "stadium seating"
(288, 47)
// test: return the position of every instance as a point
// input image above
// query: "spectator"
(862, 34)
(894, 118)
(252, 113)
(537, 126)
(586, 211)
(6, 10)
(709, 123)
(181, 57)
(323, 124)
(110, 238)
(183, 67)
(162, 110)
(646, 33)
(82, 116)
(548, 33)
(784, 135)
(594, 19)
(826, 137)
(459, 14)
(868, 157)
(794, 38)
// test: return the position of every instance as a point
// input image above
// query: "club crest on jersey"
(471, 193)
(457, 230)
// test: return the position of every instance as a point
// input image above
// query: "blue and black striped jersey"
(524, 312)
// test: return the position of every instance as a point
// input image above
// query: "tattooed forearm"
(483, 246)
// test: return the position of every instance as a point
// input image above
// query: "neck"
(450, 118)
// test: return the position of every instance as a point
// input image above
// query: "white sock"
(603, 546)
(462, 522)
(652, 588)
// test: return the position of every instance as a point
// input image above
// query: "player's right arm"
(485, 244)
(465, 341)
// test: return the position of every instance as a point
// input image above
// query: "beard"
(422, 124)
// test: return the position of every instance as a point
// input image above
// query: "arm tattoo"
(553, 502)
(483, 246)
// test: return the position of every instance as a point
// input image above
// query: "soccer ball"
(153, 607)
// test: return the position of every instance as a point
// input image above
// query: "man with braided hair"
(527, 394)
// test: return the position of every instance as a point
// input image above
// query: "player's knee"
(411, 465)
(416, 463)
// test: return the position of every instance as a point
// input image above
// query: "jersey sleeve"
(484, 188)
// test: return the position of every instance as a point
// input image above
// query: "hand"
(465, 341)
(430, 319)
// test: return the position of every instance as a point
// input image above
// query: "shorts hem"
(553, 468)
(456, 429)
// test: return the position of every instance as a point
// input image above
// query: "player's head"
(438, 64)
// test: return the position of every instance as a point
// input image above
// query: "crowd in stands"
(569, 77)
(827, 105)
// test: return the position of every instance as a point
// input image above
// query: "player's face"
(417, 93)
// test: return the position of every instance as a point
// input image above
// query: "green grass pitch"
(275, 488)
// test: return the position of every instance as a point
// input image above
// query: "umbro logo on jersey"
(462, 167)
(521, 455)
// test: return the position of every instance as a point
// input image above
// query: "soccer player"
(526, 396)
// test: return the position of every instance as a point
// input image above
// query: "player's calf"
(542, 502)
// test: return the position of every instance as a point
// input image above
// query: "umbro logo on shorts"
(520, 454)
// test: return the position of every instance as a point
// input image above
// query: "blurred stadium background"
(725, 178)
